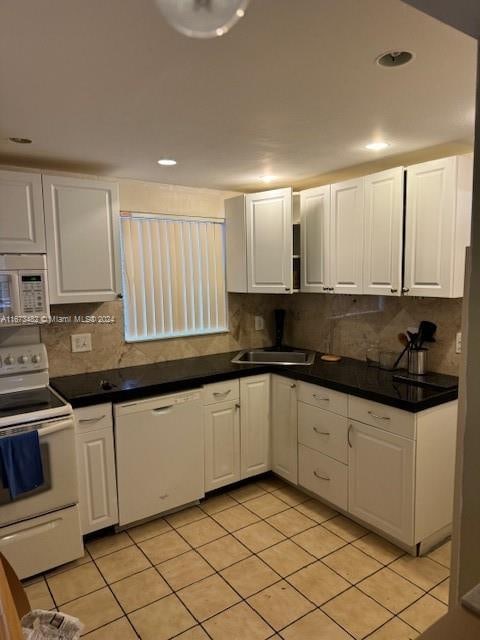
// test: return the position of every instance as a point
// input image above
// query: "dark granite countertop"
(348, 375)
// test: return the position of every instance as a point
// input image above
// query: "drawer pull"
(350, 427)
(374, 415)
(237, 405)
(322, 398)
(321, 433)
(97, 419)
(221, 394)
(320, 477)
(163, 496)
(293, 386)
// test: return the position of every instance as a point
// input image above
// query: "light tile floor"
(259, 561)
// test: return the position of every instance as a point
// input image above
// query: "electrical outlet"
(259, 323)
(458, 342)
(81, 342)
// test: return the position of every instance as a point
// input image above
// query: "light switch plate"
(81, 342)
(458, 342)
(259, 323)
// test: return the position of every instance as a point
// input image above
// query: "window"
(173, 276)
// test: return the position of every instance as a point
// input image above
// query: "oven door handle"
(61, 425)
(48, 429)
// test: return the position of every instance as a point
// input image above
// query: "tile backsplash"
(341, 324)
(347, 325)
(109, 349)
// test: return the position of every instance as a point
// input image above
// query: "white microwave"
(23, 289)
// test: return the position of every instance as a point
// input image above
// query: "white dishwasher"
(160, 454)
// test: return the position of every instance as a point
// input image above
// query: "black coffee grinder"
(279, 325)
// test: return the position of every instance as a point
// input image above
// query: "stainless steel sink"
(262, 356)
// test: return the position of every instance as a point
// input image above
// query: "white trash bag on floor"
(50, 625)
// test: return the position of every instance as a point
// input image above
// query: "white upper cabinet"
(438, 216)
(382, 273)
(347, 231)
(83, 242)
(22, 228)
(315, 239)
(259, 242)
(269, 241)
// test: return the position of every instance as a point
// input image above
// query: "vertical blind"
(173, 276)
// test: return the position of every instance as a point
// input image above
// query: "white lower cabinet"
(284, 428)
(96, 468)
(255, 425)
(98, 486)
(324, 476)
(381, 475)
(222, 444)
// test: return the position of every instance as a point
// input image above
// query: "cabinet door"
(97, 482)
(347, 233)
(381, 480)
(269, 241)
(284, 429)
(22, 226)
(255, 425)
(83, 242)
(383, 232)
(315, 239)
(222, 444)
(430, 228)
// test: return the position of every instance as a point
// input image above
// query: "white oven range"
(40, 529)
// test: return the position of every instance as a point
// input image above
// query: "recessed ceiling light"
(395, 58)
(267, 178)
(240, 12)
(21, 140)
(377, 146)
(167, 162)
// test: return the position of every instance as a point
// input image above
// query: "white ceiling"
(106, 86)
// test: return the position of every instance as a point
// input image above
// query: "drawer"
(221, 391)
(324, 398)
(381, 415)
(94, 417)
(39, 544)
(325, 477)
(323, 431)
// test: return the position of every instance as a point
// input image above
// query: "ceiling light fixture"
(395, 58)
(167, 162)
(21, 140)
(202, 18)
(377, 146)
(267, 179)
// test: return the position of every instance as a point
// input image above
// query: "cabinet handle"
(237, 405)
(374, 415)
(326, 289)
(287, 288)
(219, 394)
(293, 386)
(393, 290)
(323, 399)
(97, 419)
(350, 427)
(321, 433)
(331, 289)
(119, 296)
(320, 477)
(405, 290)
(162, 497)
